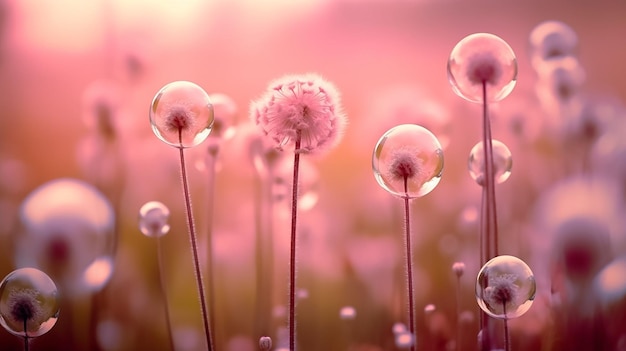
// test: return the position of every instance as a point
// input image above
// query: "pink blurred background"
(385, 57)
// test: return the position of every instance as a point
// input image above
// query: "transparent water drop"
(28, 295)
(153, 219)
(265, 343)
(181, 114)
(502, 162)
(478, 58)
(505, 287)
(68, 231)
(408, 152)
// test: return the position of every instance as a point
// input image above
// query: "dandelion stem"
(507, 346)
(490, 206)
(194, 245)
(489, 230)
(409, 263)
(162, 286)
(292, 266)
(25, 335)
(458, 313)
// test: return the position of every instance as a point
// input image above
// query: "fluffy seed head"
(179, 118)
(406, 165)
(484, 67)
(502, 291)
(305, 105)
(22, 306)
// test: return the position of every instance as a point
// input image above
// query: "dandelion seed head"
(505, 287)
(179, 117)
(23, 306)
(502, 289)
(484, 67)
(406, 165)
(29, 303)
(304, 105)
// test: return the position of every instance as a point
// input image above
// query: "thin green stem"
(194, 246)
(292, 264)
(409, 264)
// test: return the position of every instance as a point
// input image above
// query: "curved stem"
(409, 264)
(292, 262)
(162, 286)
(194, 246)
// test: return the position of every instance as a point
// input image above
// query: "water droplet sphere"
(482, 58)
(502, 162)
(68, 231)
(29, 302)
(505, 287)
(153, 219)
(408, 161)
(181, 114)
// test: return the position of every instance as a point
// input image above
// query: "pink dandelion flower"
(300, 106)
